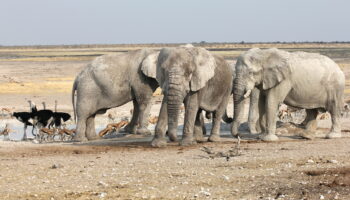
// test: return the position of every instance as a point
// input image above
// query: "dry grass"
(47, 87)
(49, 59)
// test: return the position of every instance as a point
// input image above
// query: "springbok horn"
(247, 93)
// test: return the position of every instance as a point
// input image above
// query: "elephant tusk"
(247, 93)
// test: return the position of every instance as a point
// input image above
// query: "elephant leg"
(271, 109)
(143, 117)
(199, 127)
(336, 116)
(215, 131)
(274, 97)
(253, 117)
(201, 119)
(159, 139)
(81, 129)
(131, 126)
(262, 114)
(90, 128)
(191, 110)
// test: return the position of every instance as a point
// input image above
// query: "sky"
(57, 22)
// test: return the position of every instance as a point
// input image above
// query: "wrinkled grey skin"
(299, 79)
(196, 78)
(253, 115)
(111, 81)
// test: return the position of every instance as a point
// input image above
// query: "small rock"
(321, 196)
(204, 192)
(310, 161)
(101, 183)
(56, 166)
(336, 196)
(102, 195)
(226, 177)
(332, 161)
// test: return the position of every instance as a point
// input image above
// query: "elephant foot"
(332, 135)
(159, 142)
(187, 141)
(172, 136)
(252, 128)
(214, 138)
(80, 139)
(95, 137)
(268, 137)
(253, 131)
(199, 138)
(143, 131)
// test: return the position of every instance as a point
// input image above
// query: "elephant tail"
(73, 99)
(226, 118)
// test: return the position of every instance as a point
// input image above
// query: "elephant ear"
(275, 68)
(149, 65)
(204, 69)
(161, 69)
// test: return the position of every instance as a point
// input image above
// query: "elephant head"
(181, 71)
(263, 69)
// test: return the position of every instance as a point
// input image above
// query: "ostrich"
(26, 118)
(41, 118)
(59, 117)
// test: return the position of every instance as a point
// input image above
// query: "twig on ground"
(233, 152)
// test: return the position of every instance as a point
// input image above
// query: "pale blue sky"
(24, 22)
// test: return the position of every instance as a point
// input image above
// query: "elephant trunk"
(174, 100)
(239, 101)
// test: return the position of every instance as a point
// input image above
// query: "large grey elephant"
(198, 79)
(299, 79)
(110, 81)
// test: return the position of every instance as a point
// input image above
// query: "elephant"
(200, 80)
(110, 81)
(298, 79)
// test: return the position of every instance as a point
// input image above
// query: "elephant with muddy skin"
(302, 80)
(110, 81)
(201, 81)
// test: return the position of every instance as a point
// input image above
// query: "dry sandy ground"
(128, 168)
(113, 169)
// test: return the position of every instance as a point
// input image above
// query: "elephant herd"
(205, 82)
